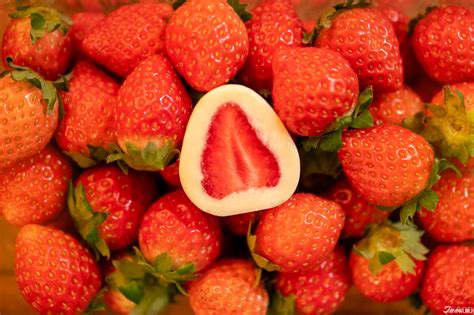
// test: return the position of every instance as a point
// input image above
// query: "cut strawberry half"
(237, 156)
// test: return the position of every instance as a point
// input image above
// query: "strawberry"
(387, 265)
(274, 25)
(359, 213)
(170, 174)
(84, 23)
(207, 43)
(453, 218)
(449, 279)
(395, 107)
(320, 291)
(28, 115)
(425, 87)
(127, 36)
(443, 41)
(312, 87)
(387, 165)
(239, 224)
(108, 205)
(299, 233)
(33, 190)
(113, 298)
(55, 273)
(151, 116)
(88, 113)
(37, 38)
(365, 37)
(175, 226)
(228, 287)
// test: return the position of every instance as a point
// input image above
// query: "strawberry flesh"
(234, 157)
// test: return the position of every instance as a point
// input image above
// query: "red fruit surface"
(300, 232)
(239, 224)
(426, 87)
(255, 165)
(125, 197)
(443, 43)
(359, 213)
(387, 165)
(170, 174)
(393, 108)
(127, 36)
(55, 273)
(113, 298)
(33, 190)
(50, 55)
(453, 218)
(390, 284)
(25, 128)
(312, 88)
(366, 38)
(88, 110)
(274, 25)
(175, 226)
(84, 23)
(449, 278)
(207, 43)
(228, 287)
(467, 90)
(320, 291)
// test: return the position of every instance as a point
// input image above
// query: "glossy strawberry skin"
(374, 55)
(84, 23)
(33, 190)
(453, 218)
(274, 25)
(387, 165)
(359, 213)
(207, 43)
(389, 285)
(300, 232)
(239, 224)
(153, 105)
(25, 128)
(125, 197)
(467, 90)
(228, 287)
(320, 291)
(128, 36)
(175, 226)
(170, 174)
(443, 44)
(88, 110)
(449, 278)
(55, 273)
(393, 108)
(312, 88)
(50, 55)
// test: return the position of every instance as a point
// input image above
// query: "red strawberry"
(239, 224)
(449, 279)
(41, 44)
(151, 115)
(228, 287)
(299, 233)
(425, 87)
(274, 25)
(443, 42)
(359, 213)
(88, 113)
(467, 90)
(25, 124)
(113, 298)
(365, 37)
(320, 291)
(387, 265)
(312, 87)
(388, 165)
(395, 107)
(110, 204)
(453, 218)
(55, 273)
(84, 23)
(170, 174)
(175, 226)
(207, 43)
(128, 36)
(33, 190)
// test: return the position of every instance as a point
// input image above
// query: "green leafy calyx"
(240, 9)
(259, 260)
(282, 305)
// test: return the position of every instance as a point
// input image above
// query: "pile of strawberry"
(94, 107)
